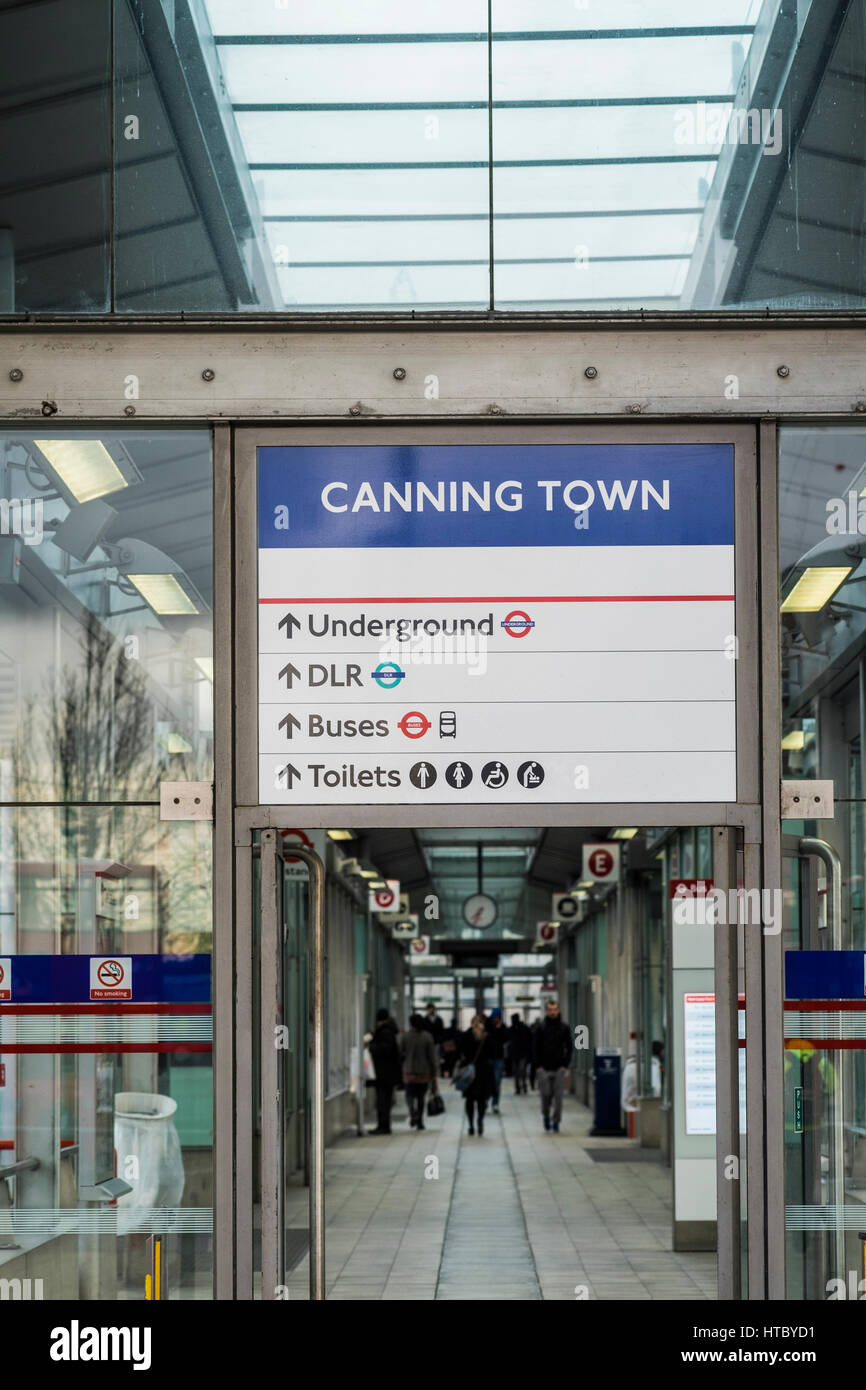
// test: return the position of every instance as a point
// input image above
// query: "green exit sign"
(798, 1109)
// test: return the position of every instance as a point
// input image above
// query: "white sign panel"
(566, 908)
(699, 1054)
(420, 948)
(472, 625)
(386, 899)
(546, 933)
(111, 977)
(5, 977)
(406, 929)
(601, 862)
(400, 910)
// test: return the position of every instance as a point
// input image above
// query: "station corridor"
(517, 1214)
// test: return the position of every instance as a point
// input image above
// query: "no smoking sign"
(111, 977)
(5, 977)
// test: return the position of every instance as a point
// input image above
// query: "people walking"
(520, 1051)
(552, 1056)
(497, 1038)
(473, 1047)
(419, 1067)
(436, 1028)
(385, 1053)
(449, 1048)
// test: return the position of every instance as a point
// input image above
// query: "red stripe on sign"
(537, 598)
(829, 1006)
(826, 1044)
(108, 1047)
(10, 1143)
(106, 1010)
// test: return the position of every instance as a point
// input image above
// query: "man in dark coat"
(552, 1055)
(385, 1052)
(520, 1051)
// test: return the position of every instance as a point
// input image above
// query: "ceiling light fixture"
(84, 467)
(815, 588)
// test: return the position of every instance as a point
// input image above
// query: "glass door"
(287, 1056)
(821, 1142)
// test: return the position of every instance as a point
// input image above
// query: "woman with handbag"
(474, 1075)
(419, 1067)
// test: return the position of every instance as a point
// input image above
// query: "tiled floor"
(519, 1214)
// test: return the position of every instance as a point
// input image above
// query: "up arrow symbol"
(288, 775)
(291, 673)
(289, 723)
(290, 622)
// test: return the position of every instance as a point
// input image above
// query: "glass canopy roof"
(369, 131)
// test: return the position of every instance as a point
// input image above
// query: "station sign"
(386, 899)
(478, 624)
(566, 908)
(601, 862)
(400, 910)
(406, 929)
(546, 933)
(420, 948)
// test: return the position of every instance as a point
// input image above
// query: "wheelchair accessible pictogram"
(494, 775)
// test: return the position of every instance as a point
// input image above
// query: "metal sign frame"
(743, 812)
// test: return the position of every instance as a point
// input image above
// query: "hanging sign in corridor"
(473, 625)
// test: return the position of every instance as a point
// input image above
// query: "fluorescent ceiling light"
(369, 873)
(814, 588)
(624, 834)
(84, 466)
(163, 592)
(178, 744)
(587, 883)
(341, 834)
(205, 665)
(795, 740)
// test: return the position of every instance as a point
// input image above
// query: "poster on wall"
(699, 1063)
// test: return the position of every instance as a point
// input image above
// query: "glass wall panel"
(106, 593)
(55, 156)
(106, 1107)
(198, 155)
(822, 478)
(669, 158)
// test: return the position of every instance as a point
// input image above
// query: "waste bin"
(144, 1130)
(607, 1066)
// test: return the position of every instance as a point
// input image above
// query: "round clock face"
(479, 911)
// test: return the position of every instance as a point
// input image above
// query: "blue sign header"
(825, 974)
(66, 980)
(360, 496)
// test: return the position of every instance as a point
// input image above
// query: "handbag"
(464, 1076)
(435, 1105)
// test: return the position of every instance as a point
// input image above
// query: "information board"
(475, 624)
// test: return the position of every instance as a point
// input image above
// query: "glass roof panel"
(367, 133)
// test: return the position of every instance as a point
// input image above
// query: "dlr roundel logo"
(601, 863)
